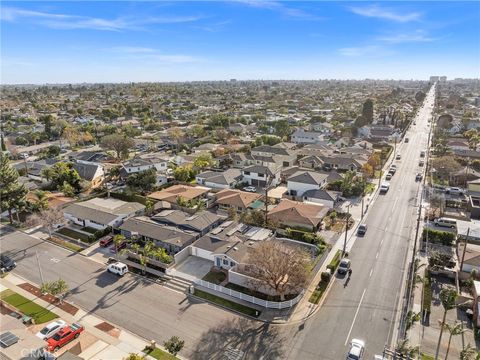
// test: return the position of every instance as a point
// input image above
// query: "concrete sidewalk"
(106, 346)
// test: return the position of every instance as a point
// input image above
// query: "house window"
(261, 175)
(238, 162)
(232, 263)
(293, 192)
(246, 173)
(225, 262)
(285, 164)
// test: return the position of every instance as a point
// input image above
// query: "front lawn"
(215, 277)
(257, 294)
(39, 314)
(226, 303)
(75, 235)
(66, 244)
(159, 354)
(89, 230)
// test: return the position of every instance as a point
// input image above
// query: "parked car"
(107, 240)
(7, 263)
(421, 163)
(343, 266)
(250, 189)
(445, 222)
(362, 229)
(418, 177)
(64, 336)
(384, 187)
(113, 248)
(398, 157)
(392, 170)
(454, 191)
(357, 348)
(388, 176)
(393, 166)
(422, 153)
(406, 140)
(51, 329)
(24, 156)
(117, 268)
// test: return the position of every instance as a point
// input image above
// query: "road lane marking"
(371, 272)
(376, 256)
(355, 317)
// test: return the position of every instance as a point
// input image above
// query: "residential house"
(220, 179)
(302, 181)
(200, 222)
(294, 214)
(311, 161)
(343, 162)
(324, 128)
(172, 239)
(99, 213)
(90, 172)
(261, 176)
(173, 193)
(323, 197)
(300, 136)
(34, 169)
(240, 201)
(138, 164)
(286, 157)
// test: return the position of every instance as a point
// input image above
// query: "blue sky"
(74, 42)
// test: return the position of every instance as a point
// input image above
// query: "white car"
(454, 191)
(118, 268)
(250, 189)
(357, 347)
(384, 187)
(51, 329)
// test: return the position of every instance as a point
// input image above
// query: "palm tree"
(118, 240)
(135, 247)
(447, 298)
(468, 353)
(455, 329)
(42, 201)
(147, 251)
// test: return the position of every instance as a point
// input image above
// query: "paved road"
(141, 307)
(366, 307)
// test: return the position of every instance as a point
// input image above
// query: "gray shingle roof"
(86, 171)
(308, 177)
(198, 222)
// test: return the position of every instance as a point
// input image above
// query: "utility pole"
(465, 249)
(346, 231)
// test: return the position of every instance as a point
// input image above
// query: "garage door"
(260, 183)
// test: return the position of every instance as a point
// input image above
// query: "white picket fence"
(252, 299)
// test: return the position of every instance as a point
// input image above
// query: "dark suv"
(7, 263)
(362, 229)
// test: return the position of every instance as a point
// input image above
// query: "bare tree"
(280, 267)
(49, 219)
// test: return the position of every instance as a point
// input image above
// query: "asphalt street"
(366, 306)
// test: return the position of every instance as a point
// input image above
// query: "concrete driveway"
(193, 268)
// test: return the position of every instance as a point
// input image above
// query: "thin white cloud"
(132, 49)
(151, 54)
(213, 27)
(281, 8)
(70, 22)
(375, 11)
(365, 51)
(406, 38)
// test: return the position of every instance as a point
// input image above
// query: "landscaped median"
(27, 307)
(227, 303)
(325, 279)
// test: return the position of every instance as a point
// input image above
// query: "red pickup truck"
(64, 336)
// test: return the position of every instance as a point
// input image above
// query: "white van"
(446, 222)
(118, 268)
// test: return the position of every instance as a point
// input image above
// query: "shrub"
(326, 276)
(335, 261)
(439, 237)
(427, 292)
(101, 233)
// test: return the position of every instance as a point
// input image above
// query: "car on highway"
(418, 177)
(107, 240)
(357, 348)
(384, 187)
(51, 329)
(344, 266)
(362, 229)
(64, 336)
(454, 191)
(117, 268)
(250, 189)
(7, 263)
(398, 157)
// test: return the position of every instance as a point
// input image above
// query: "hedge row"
(335, 261)
(427, 292)
(438, 236)
(305, 236)
(130, 198)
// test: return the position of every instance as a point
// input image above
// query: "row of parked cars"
(58, 334)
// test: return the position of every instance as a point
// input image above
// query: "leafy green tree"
(468, 353)
(473, 136)
(133, 356)
(184, 173)
(12, 193)
(447, 298)
(203, 161)
(68, 189)
(62, 173)
(47, 121)
(56, 288)
(41, 203)
(282, 128)
(174, 345)
(142, 181)
(118, 143)
(367, 110)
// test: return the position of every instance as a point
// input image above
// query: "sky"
(94, 42)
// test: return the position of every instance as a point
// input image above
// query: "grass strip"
(159, 354)
(227, 303)
(39, 314)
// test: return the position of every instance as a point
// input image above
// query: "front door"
(218, 262)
